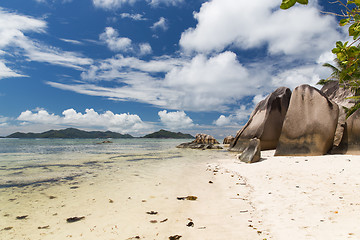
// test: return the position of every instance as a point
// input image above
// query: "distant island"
(167, 134)
(70, 133)
(76, 133)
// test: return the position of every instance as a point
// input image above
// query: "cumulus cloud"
(175, 120)
(212, 77)
(123, 44)
(145, 48)
(294, 77)
(125, 122)
(239, 117)
(115, 43)
(161, 24)
(249, 24)
(210, 83)
(197, 84)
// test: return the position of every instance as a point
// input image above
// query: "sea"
(25, 162)
(45, 181)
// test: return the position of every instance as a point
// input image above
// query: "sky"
(138, 66)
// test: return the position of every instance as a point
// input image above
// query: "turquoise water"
(25, 162)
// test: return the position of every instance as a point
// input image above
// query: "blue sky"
(136, 66)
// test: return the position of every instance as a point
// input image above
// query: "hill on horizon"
(167, 134)
(70, 133)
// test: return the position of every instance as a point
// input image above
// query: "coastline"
(118, 204)
(278, 197)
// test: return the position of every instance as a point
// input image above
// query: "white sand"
(277, 198)
(115, 204)
(304, 197)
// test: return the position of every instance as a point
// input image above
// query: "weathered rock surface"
(198, 146)
(228, 140)
(202, 138)
(252, 152)
(202, 141)
(265, 122)
(350, 143)
(310, 123)
(339, 95)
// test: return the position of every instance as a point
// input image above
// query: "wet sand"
(134, 200)
(301, 197)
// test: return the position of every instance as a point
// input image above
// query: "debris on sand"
(152, 213)
(74, 219)
(176, 237)
(190, 198)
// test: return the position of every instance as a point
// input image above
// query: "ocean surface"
(111, 186)
(26, 162)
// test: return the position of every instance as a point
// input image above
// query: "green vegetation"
(70, 133)
(289, 3)
(347, 71)
(166, 134)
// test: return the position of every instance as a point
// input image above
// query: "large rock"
(252, 152)
(310, 123)
(202, 141)
(265, 122)
(350, 143)
(340, 96)
(202, 138)
(228, 140)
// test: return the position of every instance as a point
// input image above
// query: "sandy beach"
(301, 197)
(304, 197)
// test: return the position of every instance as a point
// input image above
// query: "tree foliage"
(289, 3)
(347, 71)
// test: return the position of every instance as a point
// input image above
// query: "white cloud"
(161, 24)
(13, 29)
(115, 43)
(4, 121)
(71, 41)
(198, 84)
(239, 117)
(125, 122)
(175, 120)
(166, 2)
(136, 17)
(222, 121)
(292, 78)
(301, 30)
(123, 44)
(114, 4)
(6, 72)
(13, 26)
(211, 83)
(145, 48)
(214, 79)
(111, 4)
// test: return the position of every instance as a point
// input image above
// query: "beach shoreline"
(278, 197)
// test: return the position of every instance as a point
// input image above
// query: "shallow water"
(49, 180)
(33, 161)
